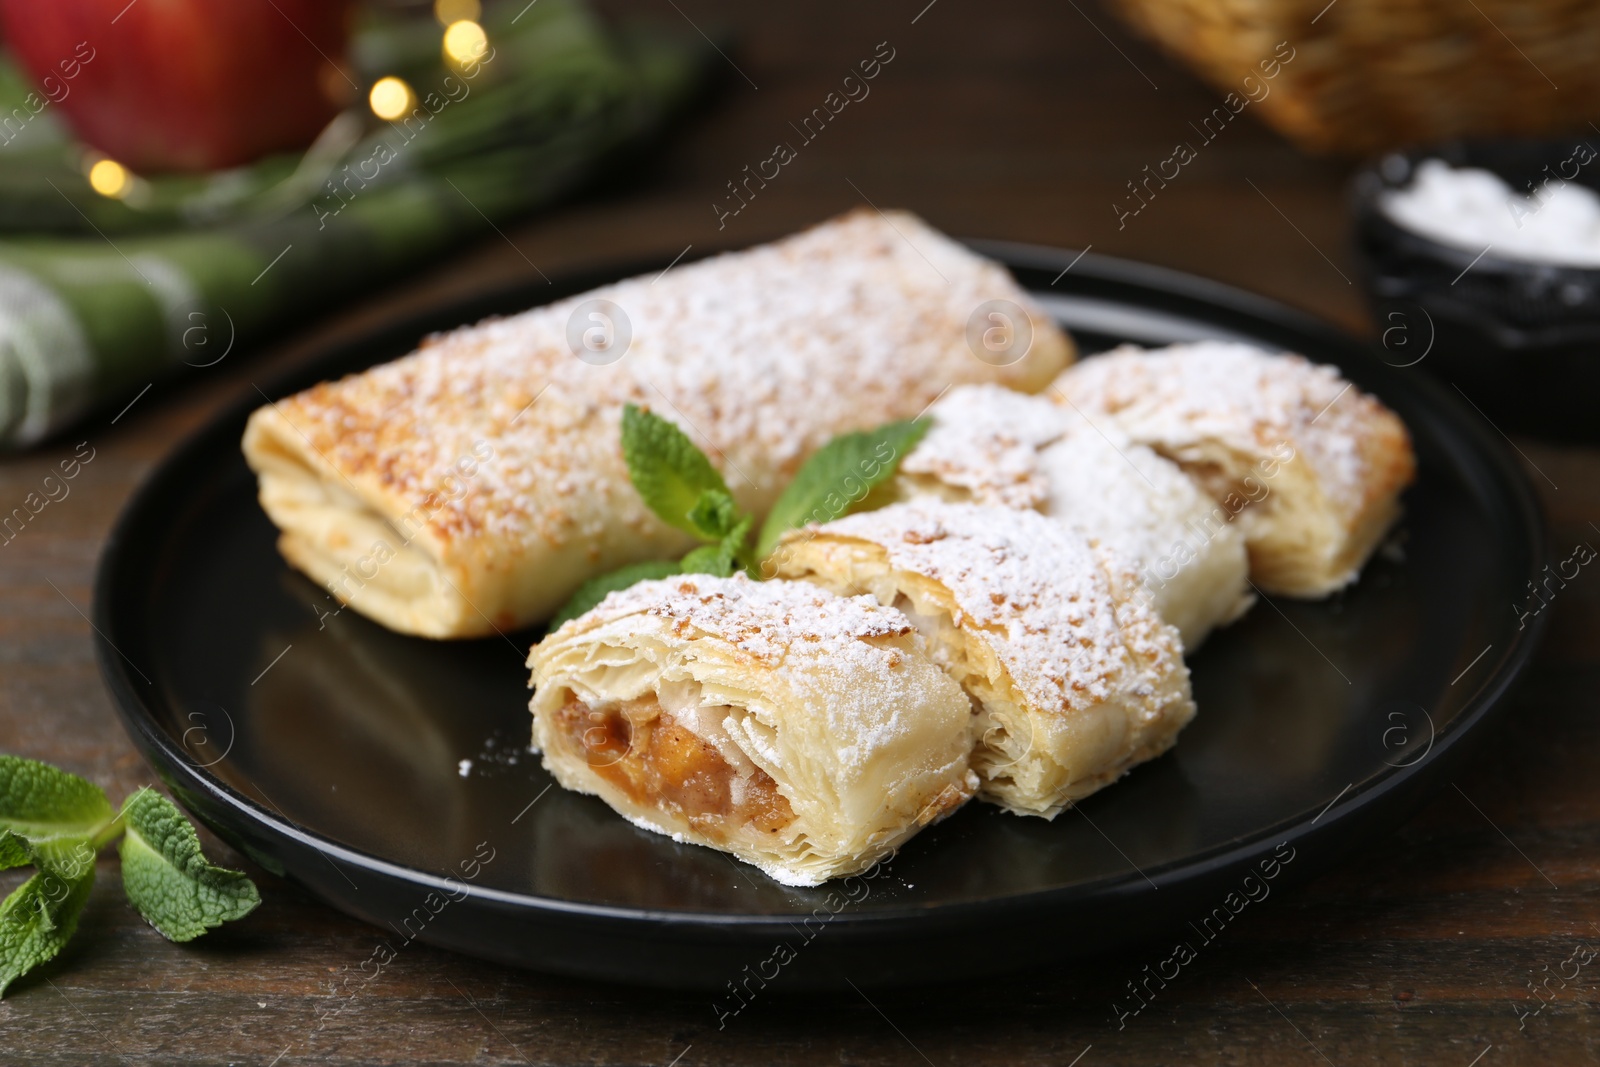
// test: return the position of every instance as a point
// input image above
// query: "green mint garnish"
(13, 851)
(56, 813)
(835, 480)
(722, 557)
(715, 515)
(38, 919)
(58, 822)
(679, 484)
(167, 877)
(672, 476)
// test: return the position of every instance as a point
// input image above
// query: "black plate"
(328, 748)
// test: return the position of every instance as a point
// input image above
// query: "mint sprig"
(58, 822)
(721, 557)
(166, 876)
(679, 484)
(55, 813)
(715, 515)
(38, 919)
(836, 480)
(13, 851)
(673, 477)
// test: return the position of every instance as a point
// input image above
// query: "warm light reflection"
(390, 98)
(109, 178)
(465, 42)
(448, 11)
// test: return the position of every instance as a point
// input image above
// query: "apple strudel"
(805, 733)
(1075, 678)
(1312, 466)
(990, 445)
(477, 482)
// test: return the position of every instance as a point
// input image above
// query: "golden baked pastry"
(1074, 677)
(991, 445)
(477, 482)
(1312, 466)
(805, 733)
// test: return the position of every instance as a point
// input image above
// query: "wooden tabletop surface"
(1007, 119)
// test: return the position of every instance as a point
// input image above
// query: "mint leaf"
(167, 878)
(66, 856)
(715, 515)
(708, 559)
(56, 813)
(38, 919)
(835, 480)
(594, 590)
(719, 559)
(669, 472)
(13, 851)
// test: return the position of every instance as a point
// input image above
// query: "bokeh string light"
(464, 42)
(109, 178)
(390, 98)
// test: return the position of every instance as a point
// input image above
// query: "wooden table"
(1004, 119)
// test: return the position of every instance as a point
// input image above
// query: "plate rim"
(141, 722)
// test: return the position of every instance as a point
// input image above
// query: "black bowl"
(1520, 339)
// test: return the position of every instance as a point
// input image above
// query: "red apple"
(184, 85)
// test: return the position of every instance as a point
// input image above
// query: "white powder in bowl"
(1470, 209)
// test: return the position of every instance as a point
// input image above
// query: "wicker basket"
(1369, 75)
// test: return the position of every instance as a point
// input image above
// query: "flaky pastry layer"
(805, 733)
(475, 483)
(991, 445)
(1313, 465)
(1075, 678)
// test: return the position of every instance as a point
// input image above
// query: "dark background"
(1001, 119)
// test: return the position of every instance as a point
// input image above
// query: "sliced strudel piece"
(1312, 465)
(1075, 678)
(477, 482)
(991, 445)
(805, 733)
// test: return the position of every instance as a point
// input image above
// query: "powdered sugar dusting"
(1021, 451)
(1248, 399)
(1121, 493)
(763, 619)
(999, 447)
(760, 356)
(986, 439)
(1033, 584)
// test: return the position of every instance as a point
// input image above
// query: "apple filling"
(644, 751)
